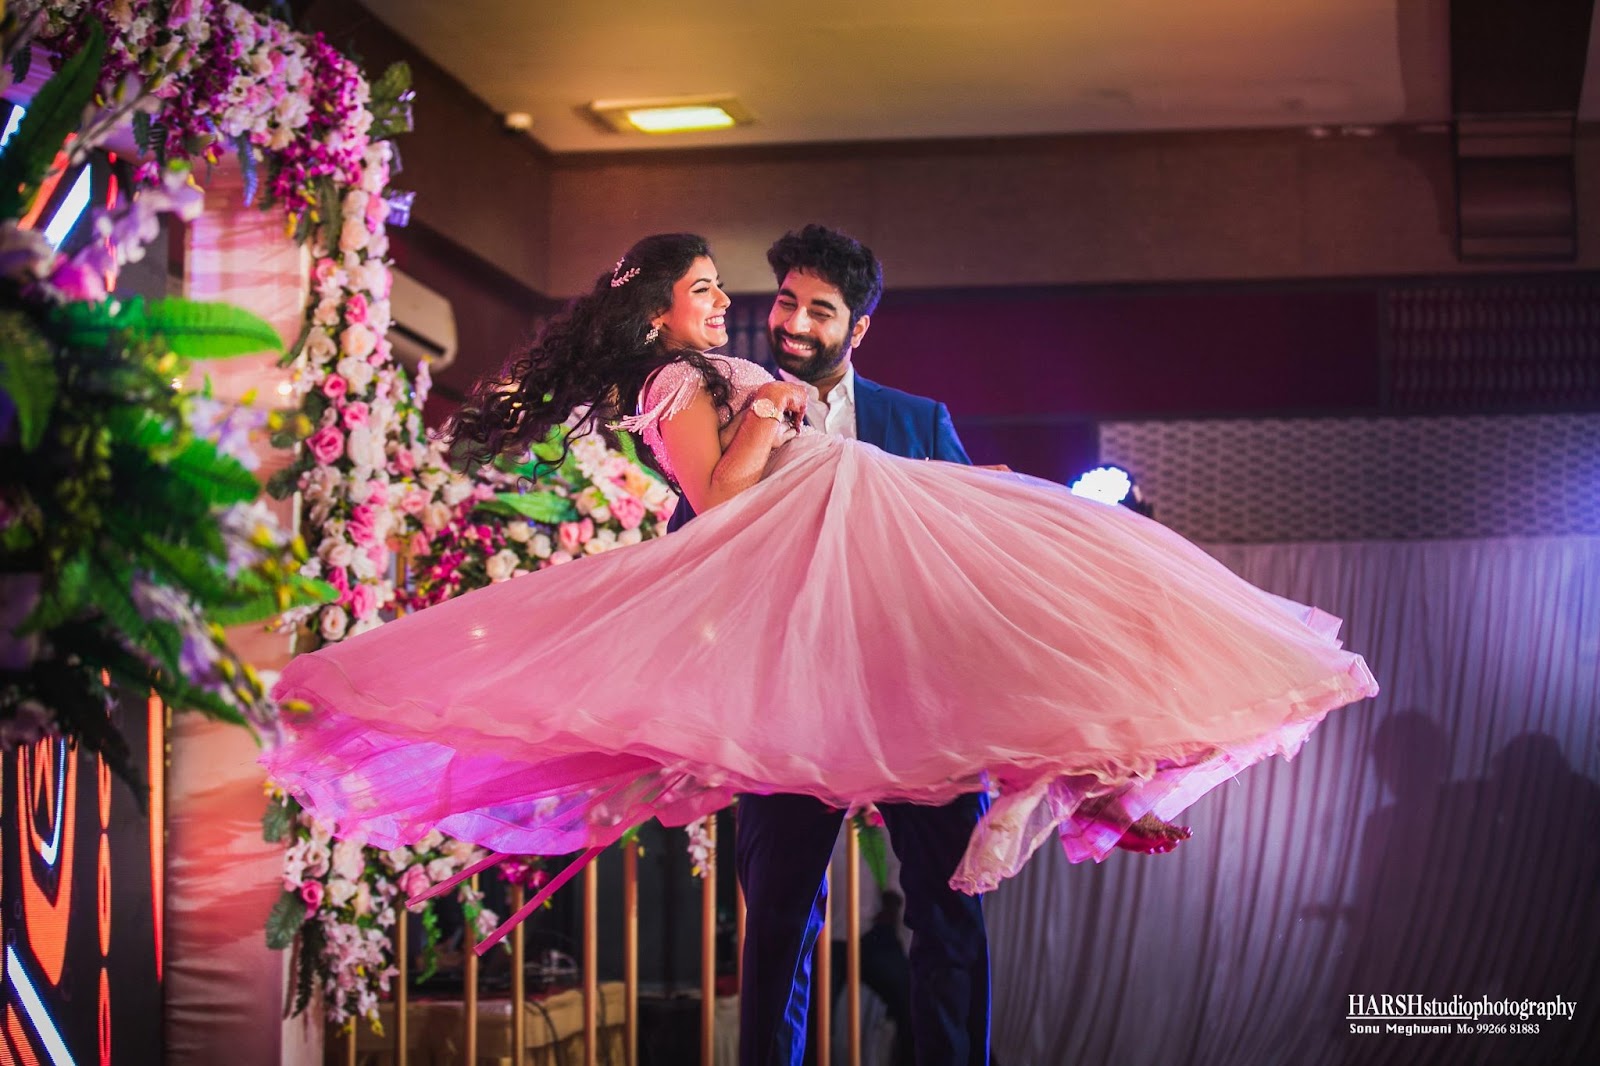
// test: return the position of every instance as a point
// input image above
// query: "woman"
(1089, 665)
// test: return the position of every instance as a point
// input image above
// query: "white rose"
(355, 370)
(398, 858)
(594, 546)
(348, 860)
(358, 340)
(362, 904)
(629, 536)
(557, 558)
(441, 869)
(354, 236)
(363, 567)
(500, 565)
(462, 851)
(326, 313)
(355, 202)
(334, 622)
(340, 891)
(519, 531)
(433, 478)
(336, 552)
(435, 517)
(431, 840)
(456, 491)
(540, 546)
(379, 317)
(320, 347)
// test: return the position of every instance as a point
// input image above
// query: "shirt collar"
(846, 383)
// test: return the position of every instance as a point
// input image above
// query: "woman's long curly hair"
(596, 353)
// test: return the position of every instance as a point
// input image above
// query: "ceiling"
(855, 70)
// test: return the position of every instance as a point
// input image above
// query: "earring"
(650, 338)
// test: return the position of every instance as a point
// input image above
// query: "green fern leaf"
(192, 329)
(56, 111)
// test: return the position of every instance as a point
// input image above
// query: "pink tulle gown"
(855, 627)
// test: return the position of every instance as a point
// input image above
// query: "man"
(828, 287)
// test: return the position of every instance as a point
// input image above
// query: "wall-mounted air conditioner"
(423, 324)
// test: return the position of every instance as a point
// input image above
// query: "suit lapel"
(872, 416)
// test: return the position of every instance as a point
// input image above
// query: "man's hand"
(790, 398)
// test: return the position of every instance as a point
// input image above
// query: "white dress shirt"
(834, 413)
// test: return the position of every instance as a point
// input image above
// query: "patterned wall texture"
(1517, 346)
(1272, 480)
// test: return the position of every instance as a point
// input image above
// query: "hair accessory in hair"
(620, 277)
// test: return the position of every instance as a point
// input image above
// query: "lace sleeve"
(669, 390)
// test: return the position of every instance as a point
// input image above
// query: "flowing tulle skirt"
(857, 627)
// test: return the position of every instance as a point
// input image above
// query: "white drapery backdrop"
(1440, 840)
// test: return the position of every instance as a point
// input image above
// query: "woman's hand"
(791, 400)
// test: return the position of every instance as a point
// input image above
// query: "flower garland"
(341, 901)
(592, 499)
(130, 530)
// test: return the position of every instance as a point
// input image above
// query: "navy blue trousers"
(782, 848)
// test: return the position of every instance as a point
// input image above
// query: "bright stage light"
(1108, 484)
(1112, 485)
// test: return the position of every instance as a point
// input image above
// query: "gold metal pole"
(350, 1046)
(708, 947)
(852, 949)
(519, 992)
(591, 962)
(739, 909)
(401, 983)
(469, 977)
(630, 949)
(824, 982)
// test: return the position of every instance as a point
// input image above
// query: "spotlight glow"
(1107, 484)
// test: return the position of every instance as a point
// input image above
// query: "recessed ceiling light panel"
(686, 114)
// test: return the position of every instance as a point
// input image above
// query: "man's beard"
(819, 365)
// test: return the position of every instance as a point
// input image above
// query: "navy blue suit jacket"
(898, 422)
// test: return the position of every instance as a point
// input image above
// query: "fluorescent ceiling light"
(680, 115)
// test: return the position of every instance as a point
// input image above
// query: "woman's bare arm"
(707, 472)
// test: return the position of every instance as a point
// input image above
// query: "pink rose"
(415, 501)
(419, 544)
(355, 308)
(324, 269)
(404, 461)
(377, 491)
(629, 511)
(334, 386)
(363, 601)
(326, 444)
(414, 881)
(573, 535)
(311, 892)
(339, 579)
(355, 414)
(363, 526)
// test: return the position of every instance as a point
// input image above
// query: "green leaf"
(108, 587)
(220, 479)
(390, 103)
(182, 566)
(262, 605)
(28, 375)
(873, 851)
(21, 63)
(285, 920)
(546, 507)
(56, 111)
(276, 821)
(141, 131)
(190, 328)
(185, 697)
(330, 205)
(283, 482)
(62, 600)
